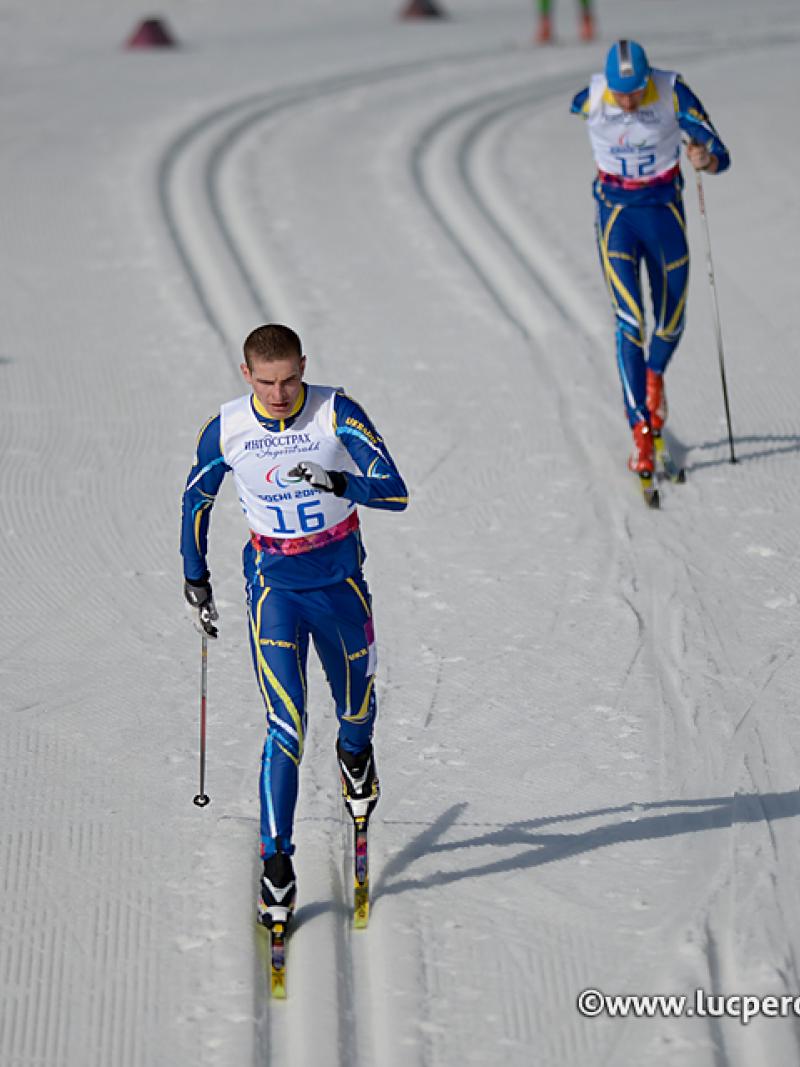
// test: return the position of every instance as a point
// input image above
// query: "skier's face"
(276, 383)
(629, 101)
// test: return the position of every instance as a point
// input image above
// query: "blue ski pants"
(338, 618)
(627, 235)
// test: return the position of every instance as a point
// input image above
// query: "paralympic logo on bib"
(627, 145)
(283, 481)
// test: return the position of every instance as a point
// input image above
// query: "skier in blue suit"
(636, 117)
(302, 457)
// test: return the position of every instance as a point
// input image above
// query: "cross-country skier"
(636, 117)
(302, 456)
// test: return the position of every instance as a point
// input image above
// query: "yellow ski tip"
(361, 911)
(277, 983)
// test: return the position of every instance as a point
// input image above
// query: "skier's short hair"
(272, 342)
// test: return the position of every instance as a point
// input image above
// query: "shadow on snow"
(765, 445)
(538, 845)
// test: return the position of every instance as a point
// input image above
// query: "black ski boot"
(278, 891)
(360, 786)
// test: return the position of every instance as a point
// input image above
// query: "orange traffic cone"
(421, 9)
(151, 33)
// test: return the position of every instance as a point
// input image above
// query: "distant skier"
(544, 33)
(302, 456)
(636, 116)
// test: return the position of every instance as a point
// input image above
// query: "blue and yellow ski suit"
(302, 584)
(640, 216)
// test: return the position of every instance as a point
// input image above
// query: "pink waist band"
(638, 183)
(294, 546)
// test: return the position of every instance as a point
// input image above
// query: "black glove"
(318, 478)
(200, 599)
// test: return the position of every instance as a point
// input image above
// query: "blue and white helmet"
(627, 67)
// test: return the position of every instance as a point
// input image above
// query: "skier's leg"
(279, 646)
(344, 637)
(586, 20)
(544, 32)
(620, 257)
(667, 258)
(345, 640)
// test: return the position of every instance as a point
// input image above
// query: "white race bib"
(640, 145)
(275, 503)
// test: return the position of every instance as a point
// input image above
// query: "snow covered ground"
(589, 738)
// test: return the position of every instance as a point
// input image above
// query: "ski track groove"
(348, 1017)
(258, 108)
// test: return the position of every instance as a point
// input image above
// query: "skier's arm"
(580, 103)
(380, 484)
(694, 121)
(202, 487)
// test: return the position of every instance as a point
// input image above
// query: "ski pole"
(202, 797)
(718, 328)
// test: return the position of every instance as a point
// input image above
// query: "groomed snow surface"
(588, 737)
